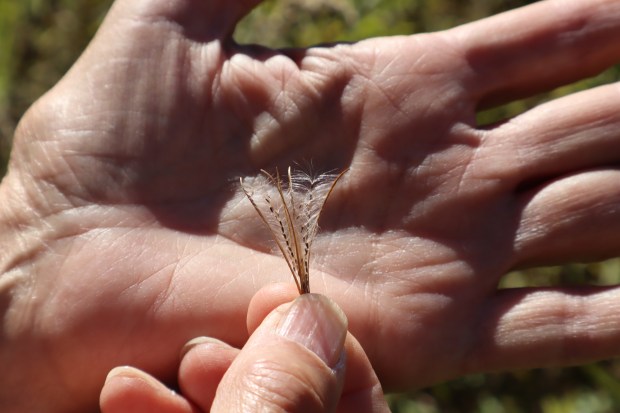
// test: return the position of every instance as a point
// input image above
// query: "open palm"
(125, 234)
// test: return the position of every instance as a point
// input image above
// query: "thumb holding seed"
(293, 362)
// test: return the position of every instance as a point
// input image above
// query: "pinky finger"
(547, 327)
(129, 390)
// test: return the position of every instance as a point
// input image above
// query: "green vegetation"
(39, 40)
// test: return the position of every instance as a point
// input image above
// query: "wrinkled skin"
(123, 233)
(215, 377)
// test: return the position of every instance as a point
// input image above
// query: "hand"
(122, 236)
(277, 370)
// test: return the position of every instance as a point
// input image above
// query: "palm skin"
(124, 235)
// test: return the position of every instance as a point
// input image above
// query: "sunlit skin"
(123, 233)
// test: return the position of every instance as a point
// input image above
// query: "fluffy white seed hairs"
(290, 207)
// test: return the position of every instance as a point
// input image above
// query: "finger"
(204, 362)
(129, 390)
(362, 391)
(266, 300)
(526, 328)
(293, 362)
(576, 132)
(573, 218)
(539, 47)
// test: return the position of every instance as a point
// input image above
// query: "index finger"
(536, 48)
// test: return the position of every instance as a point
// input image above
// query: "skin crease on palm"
(123, 233)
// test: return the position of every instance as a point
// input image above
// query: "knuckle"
(272, 386)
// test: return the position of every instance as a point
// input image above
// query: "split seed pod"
(290, 206)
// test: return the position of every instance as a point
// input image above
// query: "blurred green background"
(39, 40)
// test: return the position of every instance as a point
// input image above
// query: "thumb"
(293, 362)
(198, 19)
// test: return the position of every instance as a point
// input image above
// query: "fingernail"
(131, 373)
(121, 371)
(198, 341)
(317, 323)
